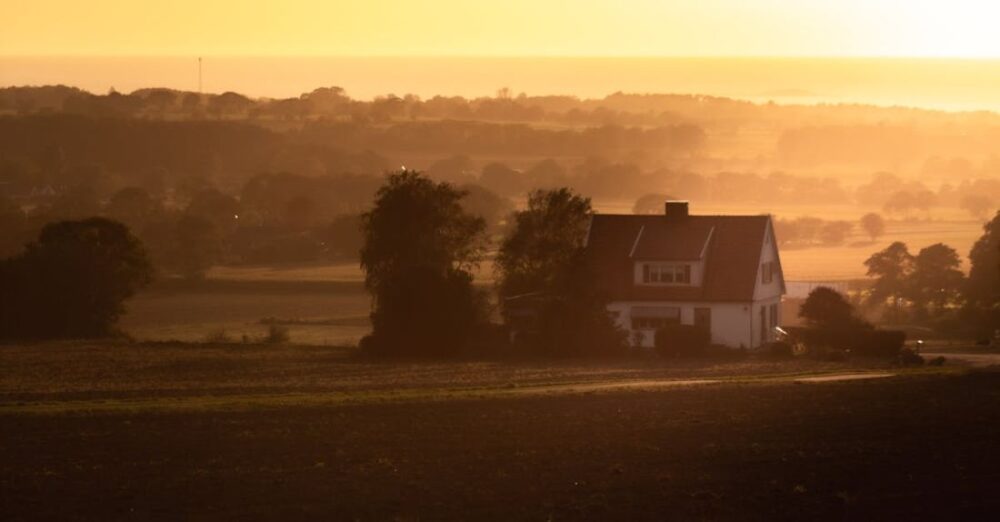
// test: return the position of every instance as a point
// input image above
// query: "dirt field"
(756, 445)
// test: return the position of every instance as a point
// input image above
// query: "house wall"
(731, 322)
(768, 253)
(767, 294)
(769, 334)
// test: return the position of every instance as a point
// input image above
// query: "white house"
(720, 272)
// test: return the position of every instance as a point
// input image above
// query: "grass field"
(167, 431)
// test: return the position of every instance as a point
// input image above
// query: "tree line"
(419, 244)
(929, 289)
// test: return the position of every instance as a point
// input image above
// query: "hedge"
(865, 342)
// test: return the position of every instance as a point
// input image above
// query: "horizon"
(933, 83)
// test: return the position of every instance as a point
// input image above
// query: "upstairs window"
(666, 274)
(767, 272)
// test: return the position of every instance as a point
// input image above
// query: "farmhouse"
(722, 273)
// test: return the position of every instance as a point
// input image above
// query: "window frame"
(656, 274)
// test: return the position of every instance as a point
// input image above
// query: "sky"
(894, 28)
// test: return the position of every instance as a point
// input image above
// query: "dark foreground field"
(919, 445)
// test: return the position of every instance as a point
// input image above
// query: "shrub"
(778, 350)
(908, 357)
(879, 343)
(277, 334)
(861, 341)
(937, 361)
(682, 340)
(72, 281)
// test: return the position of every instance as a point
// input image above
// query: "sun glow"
(959, 29)
(956, 28)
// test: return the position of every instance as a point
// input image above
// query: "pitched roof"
(731, 246)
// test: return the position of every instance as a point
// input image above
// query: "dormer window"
(666, 274)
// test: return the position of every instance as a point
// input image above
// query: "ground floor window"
(654, 317)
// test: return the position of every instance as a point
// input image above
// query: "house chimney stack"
(676, 210)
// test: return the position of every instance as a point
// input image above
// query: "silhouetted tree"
(133, 206)
(503, 180)
(982, 289)
(419, 248)
(827, 308)
(13, 228)
(835, 232)
(891, 269)
(196, 246)
(486, 204)
(342, 238)
(544, 254)
(73, 281)
(936, 278)
(229, 104)
(873, 225)
(222, 210)
(651, 204)
(977, 205)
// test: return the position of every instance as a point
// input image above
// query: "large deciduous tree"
(420, 246)
(891, 269)
(543, 254)
(936, 279)
(72, 282)
(827, 308)
(982, 290)
(873, 225)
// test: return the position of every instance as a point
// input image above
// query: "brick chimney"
(676, 210)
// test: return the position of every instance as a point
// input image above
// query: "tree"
(977, 205)
(13, 228)
(341, 238)
(891, 268)
(827, 308)
(901, 202)
(545, 240)
(982, 289)
(196, 246)
(133, 206)
(229, 104)
(486, 204)
(502, 179)
(936, 278)
(420, 246)
(72, 282)
(544, 254)
(835, 232)
(873, 225)
(650, 204)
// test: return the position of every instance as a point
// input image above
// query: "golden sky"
(961, 28)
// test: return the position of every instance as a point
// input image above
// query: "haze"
(520, 260)
(960, 28)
